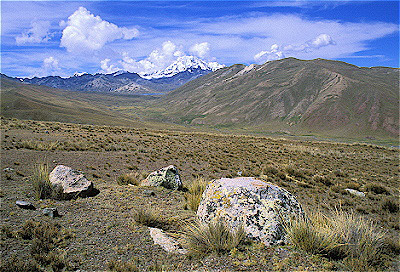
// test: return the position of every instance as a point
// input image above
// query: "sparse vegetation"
(307, 169)
(216, 236)
(133, 178)
(120, 266)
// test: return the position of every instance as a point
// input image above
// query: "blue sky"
(40, 38)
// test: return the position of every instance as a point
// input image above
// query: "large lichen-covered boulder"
(258, 206)
(72, 182)
(167, 177)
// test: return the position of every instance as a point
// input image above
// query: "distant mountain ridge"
(293, 95)
(185, 63)
(185, 69)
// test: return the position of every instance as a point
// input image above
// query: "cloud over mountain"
(38, 33)
(279, 52)
(85, 32)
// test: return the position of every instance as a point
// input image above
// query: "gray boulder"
(258, 206)
(25, 205)
(167, 177)
(72, 182)
(52, 212)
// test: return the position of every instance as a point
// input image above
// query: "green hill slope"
(317, 96)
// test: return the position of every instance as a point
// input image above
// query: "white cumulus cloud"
(107, 67)
(38, 33)
(50, 67)
(200, 49)
(279, 52)
(85, 32)
(158, 59)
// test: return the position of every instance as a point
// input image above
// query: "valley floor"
(102, 228)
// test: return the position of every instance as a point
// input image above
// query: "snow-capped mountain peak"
(182, 64)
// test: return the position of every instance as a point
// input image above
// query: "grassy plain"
(104, 233)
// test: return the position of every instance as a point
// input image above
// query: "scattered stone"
(25, 205)
(355, 192)
(52, 212)
(8, 169)
(166, 242)
(149, 193)
(167, 177)
(258, 206)
(73, 182)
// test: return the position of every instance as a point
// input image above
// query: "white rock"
(258, 206)
(166, 242)
(355, 192)
(73, 182)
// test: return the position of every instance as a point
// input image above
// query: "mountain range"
(295, 95)
(184, 69)
(289, 96)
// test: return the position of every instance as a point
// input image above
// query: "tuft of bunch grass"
(194, 193)
(41, 182)
(341, 236)
(312, 234)
(133, 178)
(149, 218)
(216, 236)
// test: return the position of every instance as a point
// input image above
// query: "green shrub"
(216, 236)
(194, 193)
(133, 178)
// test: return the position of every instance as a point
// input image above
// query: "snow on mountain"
(182, 64)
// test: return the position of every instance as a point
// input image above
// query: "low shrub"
(47, 238)
(323, 180)
(133, 178)
(194, 193)
(17, 264)
(216, 237)
(377, 188)
(390, 205)
(6, 231)
(352, 185)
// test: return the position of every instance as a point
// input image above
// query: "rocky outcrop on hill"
(260, 207)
